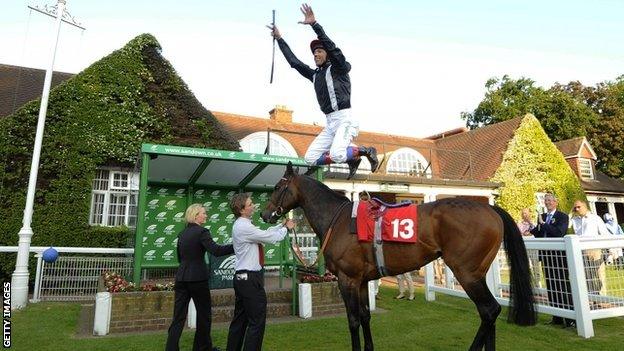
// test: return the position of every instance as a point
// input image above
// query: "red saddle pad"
(399, 224)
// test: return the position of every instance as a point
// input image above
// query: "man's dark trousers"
(247, 327)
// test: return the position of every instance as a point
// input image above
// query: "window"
(585, 168)
(114, 198)
(410, 162)
(257, 142)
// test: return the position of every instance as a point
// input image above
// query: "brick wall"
(141, 311)
(326, 299)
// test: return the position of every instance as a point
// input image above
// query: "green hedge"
(99, 117)
(532, 163)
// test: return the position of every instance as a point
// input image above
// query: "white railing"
(75, 277)
(574, 277)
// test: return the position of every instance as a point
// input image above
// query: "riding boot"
(371, 155)
(353, 166)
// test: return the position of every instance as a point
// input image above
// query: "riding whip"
(273, 59)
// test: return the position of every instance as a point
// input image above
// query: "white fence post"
(191, 317)
(580, 297)
(372, 291)
(103, 305)
(38, 276)
(430, 282)
(305, 300)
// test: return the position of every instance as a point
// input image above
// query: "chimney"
(281, 114)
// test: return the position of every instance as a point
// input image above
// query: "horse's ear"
(289, 169)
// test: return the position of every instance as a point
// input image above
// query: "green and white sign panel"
(164, 220)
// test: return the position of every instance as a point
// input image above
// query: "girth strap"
(378, 245)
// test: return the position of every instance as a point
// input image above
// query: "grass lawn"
(449, 323)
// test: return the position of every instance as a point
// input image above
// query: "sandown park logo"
(170, 205)
(230, 194)
(180, 192)
(161, 217)
(160, 242)
(178, 217)
(199, 193)
(228, 263)
(230, 218)
(215, 194)
(270, 253)
(168, 255)
(221, 230)
(174, 243)
(153, 204)
(169, 229)
(223, 206)
(214, 218)
(154, 147)
(207, 205)
(264, 196)
(163, 191)
(149, 255)
(151, 229)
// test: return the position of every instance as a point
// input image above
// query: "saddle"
(396, 222)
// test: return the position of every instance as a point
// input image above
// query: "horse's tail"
(522, 308)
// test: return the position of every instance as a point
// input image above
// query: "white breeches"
(335, 137)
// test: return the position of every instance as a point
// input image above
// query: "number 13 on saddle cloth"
(399, 223)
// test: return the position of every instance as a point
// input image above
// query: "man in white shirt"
(588, 224)
(250, 307)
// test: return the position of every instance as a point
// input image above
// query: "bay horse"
(466, 234)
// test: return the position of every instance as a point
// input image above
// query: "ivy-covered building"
(96, 122)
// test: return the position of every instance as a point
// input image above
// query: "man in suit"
(192, 280)
(554, 224)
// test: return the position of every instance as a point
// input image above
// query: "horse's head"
(284, 197)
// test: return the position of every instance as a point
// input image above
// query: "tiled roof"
(478, 153)
(570, 147)
(603, 183)
(19, 85)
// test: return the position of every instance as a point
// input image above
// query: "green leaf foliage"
(532, 163)
(565, 111)
(99, 117)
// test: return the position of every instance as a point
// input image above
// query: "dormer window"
(585, 168)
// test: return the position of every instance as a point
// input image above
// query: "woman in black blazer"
(191, 279)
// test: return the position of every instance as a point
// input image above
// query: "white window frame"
(247, 143)
(585, 164)
(392, 169)
(129, 191)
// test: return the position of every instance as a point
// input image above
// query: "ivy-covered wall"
(532, 163)
(99, 117)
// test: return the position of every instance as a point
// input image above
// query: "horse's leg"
(489, 309)
(365, 317)
(350, 294)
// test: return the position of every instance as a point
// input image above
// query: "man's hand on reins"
(288, 223)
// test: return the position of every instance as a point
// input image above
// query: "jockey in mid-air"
(333, 92)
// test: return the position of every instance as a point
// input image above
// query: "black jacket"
(331, 81)
(557, 227)
(193, 242)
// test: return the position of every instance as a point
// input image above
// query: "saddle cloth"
(398, 223)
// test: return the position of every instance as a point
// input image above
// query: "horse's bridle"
(279, 211)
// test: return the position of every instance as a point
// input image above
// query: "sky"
(416, 65)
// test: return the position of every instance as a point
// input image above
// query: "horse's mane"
(334, 195)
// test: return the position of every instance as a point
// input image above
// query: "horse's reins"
(295, 247)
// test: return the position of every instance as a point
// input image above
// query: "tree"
(564, 111)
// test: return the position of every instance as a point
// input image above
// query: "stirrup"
(311, 170)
